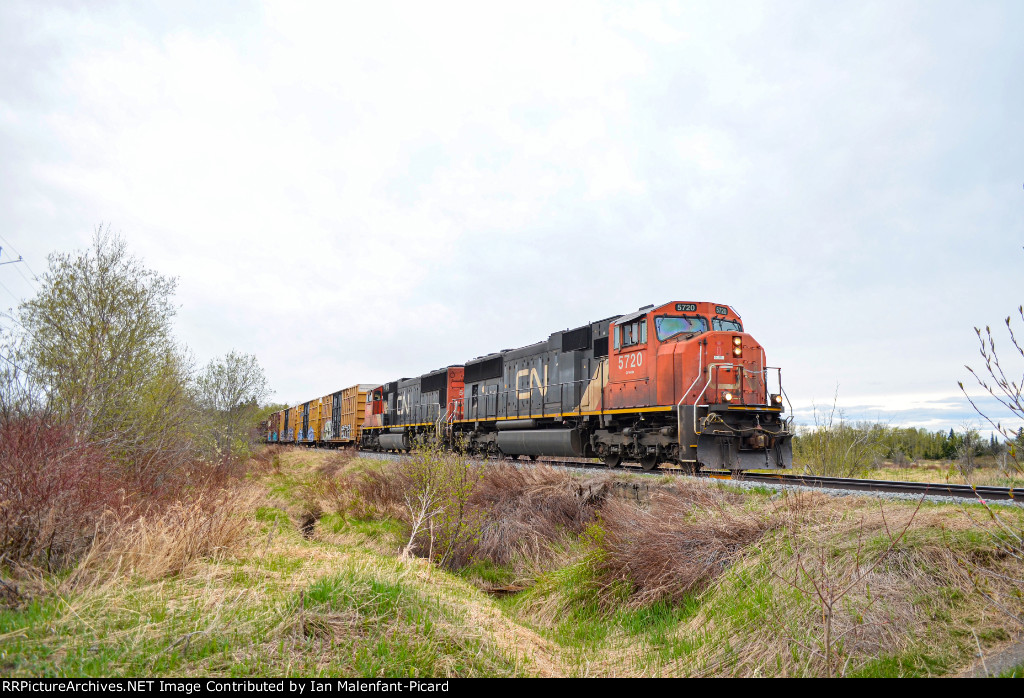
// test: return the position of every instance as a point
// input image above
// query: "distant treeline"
(909, 443)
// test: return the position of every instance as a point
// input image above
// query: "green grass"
(907, 664)
(485, 572)
(368, 619)
(343, 604)
(280, 606)
(272, 515)
(1016, 672)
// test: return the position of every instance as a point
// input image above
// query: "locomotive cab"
(696, 360)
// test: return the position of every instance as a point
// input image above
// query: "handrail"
(765, 372)
(679, 411)
(503, 396)
(437, 424)
(696, 402)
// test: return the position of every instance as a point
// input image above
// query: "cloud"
(360, 192)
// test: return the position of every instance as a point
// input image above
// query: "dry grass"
(525, 510)
(335, 462)
(943, 471)
(904, 601)
(168, 542)
(366, 494)
(677, 545)
(267, 459)
(512, 515)
(695, 579)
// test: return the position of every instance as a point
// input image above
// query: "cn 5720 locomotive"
(681, 383)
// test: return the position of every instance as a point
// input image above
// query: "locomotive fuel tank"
(540, 442)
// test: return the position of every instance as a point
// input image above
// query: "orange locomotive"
(680, 383)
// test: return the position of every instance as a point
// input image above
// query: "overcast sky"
(356, 192)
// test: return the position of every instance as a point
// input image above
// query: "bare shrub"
(267, 459)
(525, 509)
(678, 545)
(442, 523)
(58, 492)
(1006, 390)
(53, 491)
(457, 512)
(1002, 384)
(828, 579)
(967, 452)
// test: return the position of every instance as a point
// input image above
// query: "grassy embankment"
(298, 571)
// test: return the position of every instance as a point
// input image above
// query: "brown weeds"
(527, 509)
(335, 462)
(167, 542)
(504, 513)
(372, 493)
(676, 546)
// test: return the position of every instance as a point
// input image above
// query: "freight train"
(681, 383)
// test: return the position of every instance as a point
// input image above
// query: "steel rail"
(984, 492)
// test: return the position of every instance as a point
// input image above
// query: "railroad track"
(943, 489)
(983, 492)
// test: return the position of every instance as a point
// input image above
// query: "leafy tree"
(230, 390)
(20, 394)
(98, 339)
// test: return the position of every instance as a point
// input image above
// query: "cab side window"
(631, 334)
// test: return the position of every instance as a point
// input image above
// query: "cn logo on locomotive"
(535, 380)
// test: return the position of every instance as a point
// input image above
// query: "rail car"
(679, 383)
(332, 420)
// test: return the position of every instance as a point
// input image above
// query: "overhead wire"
(27, 266)
(23, 370)
(10, 316)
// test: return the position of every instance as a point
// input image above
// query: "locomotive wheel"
(613, 461)
(649, 462)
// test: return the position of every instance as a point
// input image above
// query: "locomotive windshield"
(668, 326)
(726, 325)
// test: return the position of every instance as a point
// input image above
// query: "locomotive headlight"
(776, 399)
(727, 396)
(737, 341)
(737, 351)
